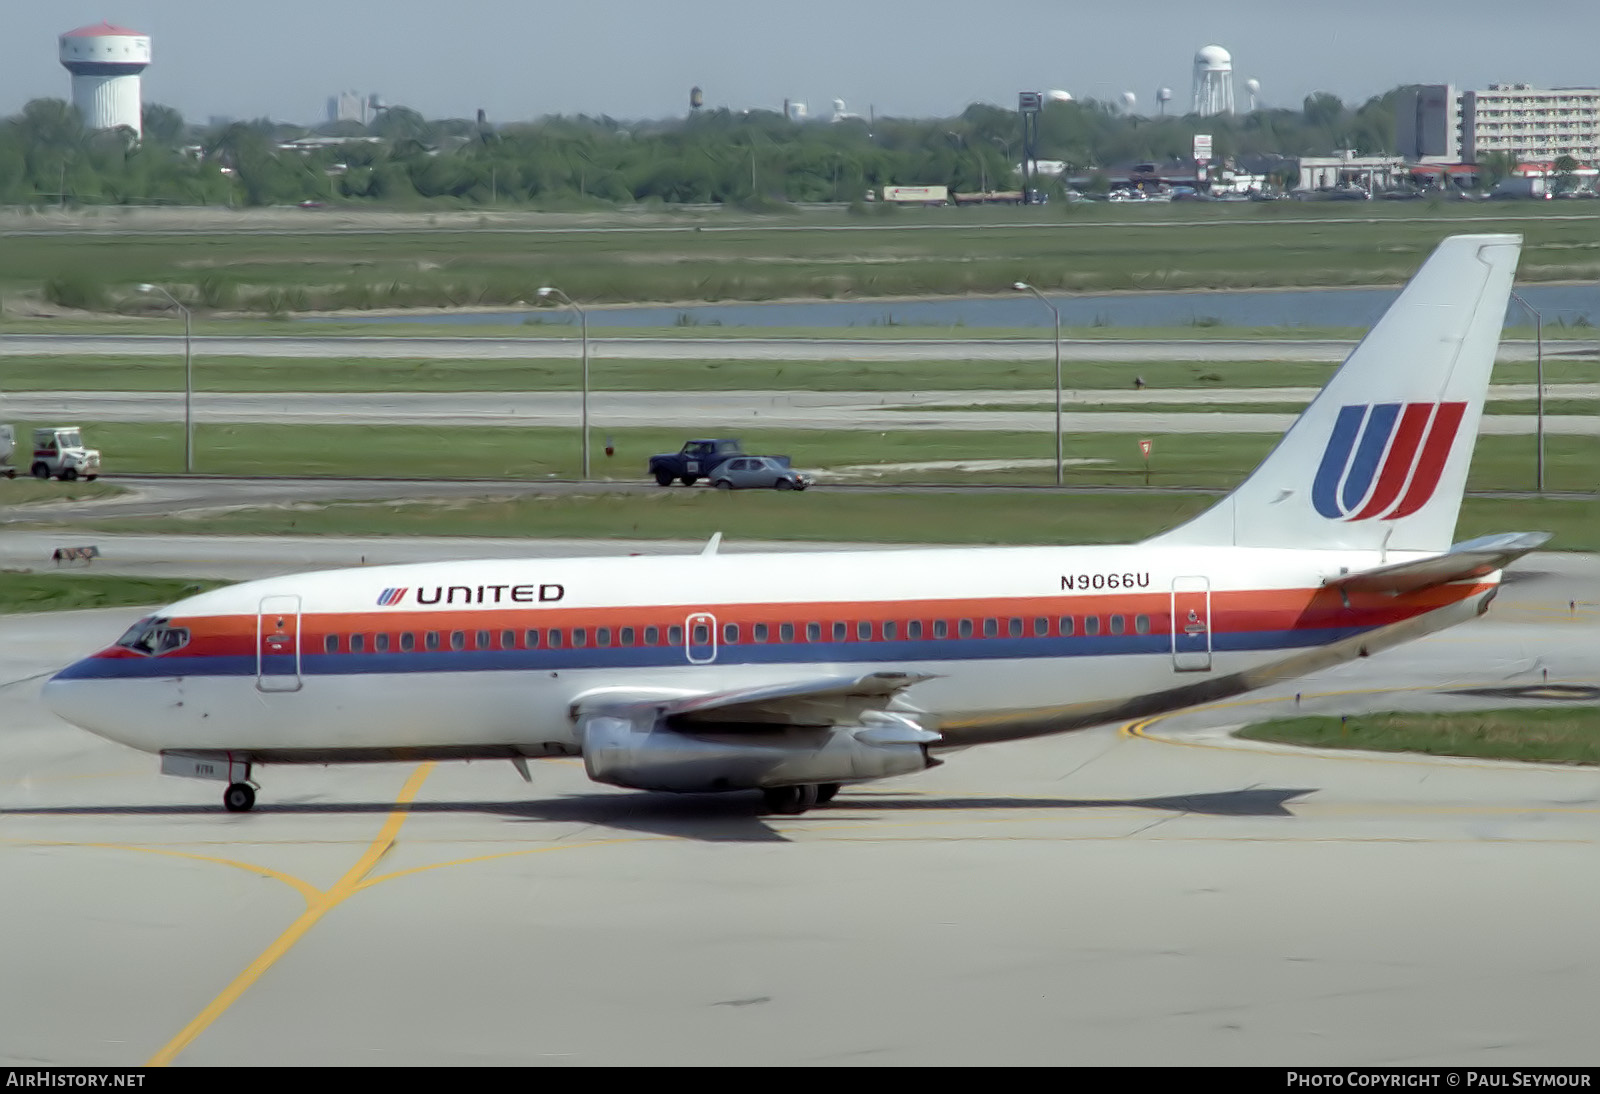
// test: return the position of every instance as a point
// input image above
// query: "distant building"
(1531, 123)
(1427, 123)
(348, 106)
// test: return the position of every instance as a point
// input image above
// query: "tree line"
(754, 159)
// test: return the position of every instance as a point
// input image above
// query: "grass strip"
(815, 516)
(21, 491)
(26, 591)
(1559, 735)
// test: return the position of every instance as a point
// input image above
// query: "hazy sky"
(520, 59)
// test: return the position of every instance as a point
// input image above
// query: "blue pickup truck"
(694, 462)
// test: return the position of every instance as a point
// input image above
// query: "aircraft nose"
(67, 696)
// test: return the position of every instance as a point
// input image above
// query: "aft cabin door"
(278, 644)
(1191, 624)
(700, 638)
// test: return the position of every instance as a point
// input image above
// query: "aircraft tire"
(825, 792)
(790, 800)
(239, 798)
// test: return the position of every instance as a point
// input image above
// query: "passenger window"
(841, 632)
(964, 628)
(914, 629)
(700, 634)
(730, 632)
(580, 636)
(941, 628)
(483, 640)
(813, 632)
(1066, 626)
(553, 638)
(358, 642)
(891, 630)
(675, 635)
(1041, 626)
(602, 637)
(1141, 624)
(330, 644)
(380, 643)
(508, 640)
(408, 641)
(1014, 628)
(458, 640)
(652, 636)
(864, 632)
(785, 632)
(1091, 624)
(625, 636)
(430, 640)
(1117, 624)
(991, 628)
(530, 639)
(760, 632)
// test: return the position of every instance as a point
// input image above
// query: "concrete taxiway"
(698, 410)
(1160, 894)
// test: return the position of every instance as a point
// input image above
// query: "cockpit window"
(154, 636)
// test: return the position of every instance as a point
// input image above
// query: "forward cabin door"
(1191, 624)
(278, 644)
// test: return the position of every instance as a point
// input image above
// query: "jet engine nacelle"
(646, 754)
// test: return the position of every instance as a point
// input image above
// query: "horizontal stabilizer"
(1474, 558)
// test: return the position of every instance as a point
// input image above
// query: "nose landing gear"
(239, 798)
(792, 800)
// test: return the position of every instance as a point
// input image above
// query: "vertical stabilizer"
(1379, 459)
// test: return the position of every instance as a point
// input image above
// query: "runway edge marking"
(325, 902)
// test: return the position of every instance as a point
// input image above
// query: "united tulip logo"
(1384, 460)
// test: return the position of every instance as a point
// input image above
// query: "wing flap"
(817, 701)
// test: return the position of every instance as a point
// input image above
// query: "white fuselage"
(492, 658)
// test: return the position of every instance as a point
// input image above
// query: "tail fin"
(1379, 459)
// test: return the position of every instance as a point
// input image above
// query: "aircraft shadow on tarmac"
(731, 818)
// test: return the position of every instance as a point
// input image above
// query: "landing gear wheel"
(790, 799)
(40, 470)
(239, 798)
(825, 792)
(663, 478)
(689, 480)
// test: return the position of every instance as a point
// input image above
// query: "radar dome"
(1213, 57)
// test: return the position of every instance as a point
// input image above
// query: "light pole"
(1023, 286)
(583, 319)
(188, 377)
(1538, 395)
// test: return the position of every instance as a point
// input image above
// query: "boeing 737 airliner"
(796, 673)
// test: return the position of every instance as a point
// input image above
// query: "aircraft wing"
(1474, 558)
(817, 701)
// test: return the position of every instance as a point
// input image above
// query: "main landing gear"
(797, 799)
(239, 798)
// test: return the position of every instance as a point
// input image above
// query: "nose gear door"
(278, 644)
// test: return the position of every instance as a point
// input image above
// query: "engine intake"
(645, 753)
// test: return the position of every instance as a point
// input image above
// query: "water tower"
(105, 62)
(1164, 96)
(1253, 86)
(1213, 81)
